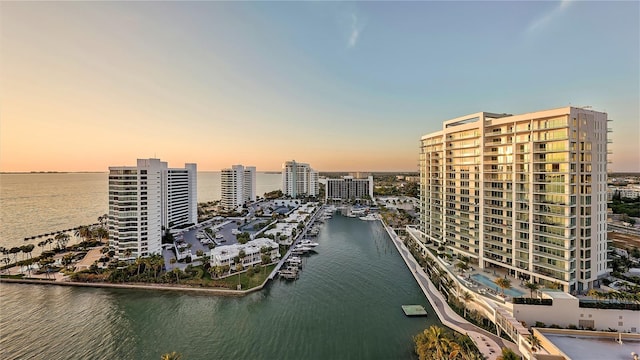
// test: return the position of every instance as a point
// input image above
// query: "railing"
(530, 301)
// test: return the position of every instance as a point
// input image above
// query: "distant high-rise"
(238, 186)
(523, 193)
(349, 188)
(143, 200)
(299, 179)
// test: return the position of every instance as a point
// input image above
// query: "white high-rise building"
(238, 186)
(349, 188)
(143, 200)
(524, 193)
(299, 179)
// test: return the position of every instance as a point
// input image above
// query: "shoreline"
(211, 291)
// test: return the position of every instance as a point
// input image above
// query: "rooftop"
(580, 344)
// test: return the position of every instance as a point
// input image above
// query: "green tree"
(532, 287)
(503, 284)
(435, 343)
(534, 342)
(62, 239)
(171, 356)
(508, 354)
(14, 251)
(173, 262)
(466, 297)
(462, 266)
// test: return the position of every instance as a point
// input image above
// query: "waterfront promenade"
(488, 343)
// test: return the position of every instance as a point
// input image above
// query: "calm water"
(34, 204)
(346, 305)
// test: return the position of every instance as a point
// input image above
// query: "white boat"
(294, 260)
(370, 217)
(307, 242)
(302, 248)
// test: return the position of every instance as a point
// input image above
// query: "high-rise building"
(524, 193)
(348, 188)
(238, 186)
(299, 179)
(143, 200)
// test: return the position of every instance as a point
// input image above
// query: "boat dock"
(414, 310)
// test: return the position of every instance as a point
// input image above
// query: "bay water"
(346, 304)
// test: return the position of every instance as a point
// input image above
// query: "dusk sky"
(342, 86)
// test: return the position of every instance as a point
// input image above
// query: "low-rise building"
(225, 255)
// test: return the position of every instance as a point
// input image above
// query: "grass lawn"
(231, 282)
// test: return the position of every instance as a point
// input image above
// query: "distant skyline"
(343, 86)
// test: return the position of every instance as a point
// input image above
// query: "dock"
(414, 310)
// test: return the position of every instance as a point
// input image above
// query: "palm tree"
(532, 287)
(434, 343)
(177, 272)
(462, 266)
(596, 294)
(173, 261)
(534, 342)
(15, 250)
(242, 255)
(171, 356)
(503, 284)
(62, 239)
(508, 354)
(42, 244)
(466, 297)
(139, 262)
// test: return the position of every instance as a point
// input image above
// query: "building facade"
(349, 188)
(526, 193)
(299, 179)
(146, 198)
(253, 250)
(238, 186)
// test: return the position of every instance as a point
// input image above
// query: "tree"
(462, 266)
(14, 251)
(139, 262)
(532, 287)
(534, 342)
(466, 297)
(173, 261)
(84, 232)
(242, 254)
(508, 354)
(503, 284)
(176, 271)
(435, 343)
(67, 260)
(171, 356)
(62, 239)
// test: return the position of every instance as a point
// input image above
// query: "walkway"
(488, 343)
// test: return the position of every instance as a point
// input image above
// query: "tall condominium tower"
(238, 186)
(349, 188)
(525, 193)
(145, 198)
(299, 179)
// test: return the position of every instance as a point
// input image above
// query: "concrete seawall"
(157, 287)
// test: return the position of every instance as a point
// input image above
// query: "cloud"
(356, 29)
(545, 19)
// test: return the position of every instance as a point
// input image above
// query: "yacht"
(308, 243)
(370, 217)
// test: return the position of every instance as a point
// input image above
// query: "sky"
(340, 85)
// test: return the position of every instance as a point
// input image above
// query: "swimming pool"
(491, 285)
